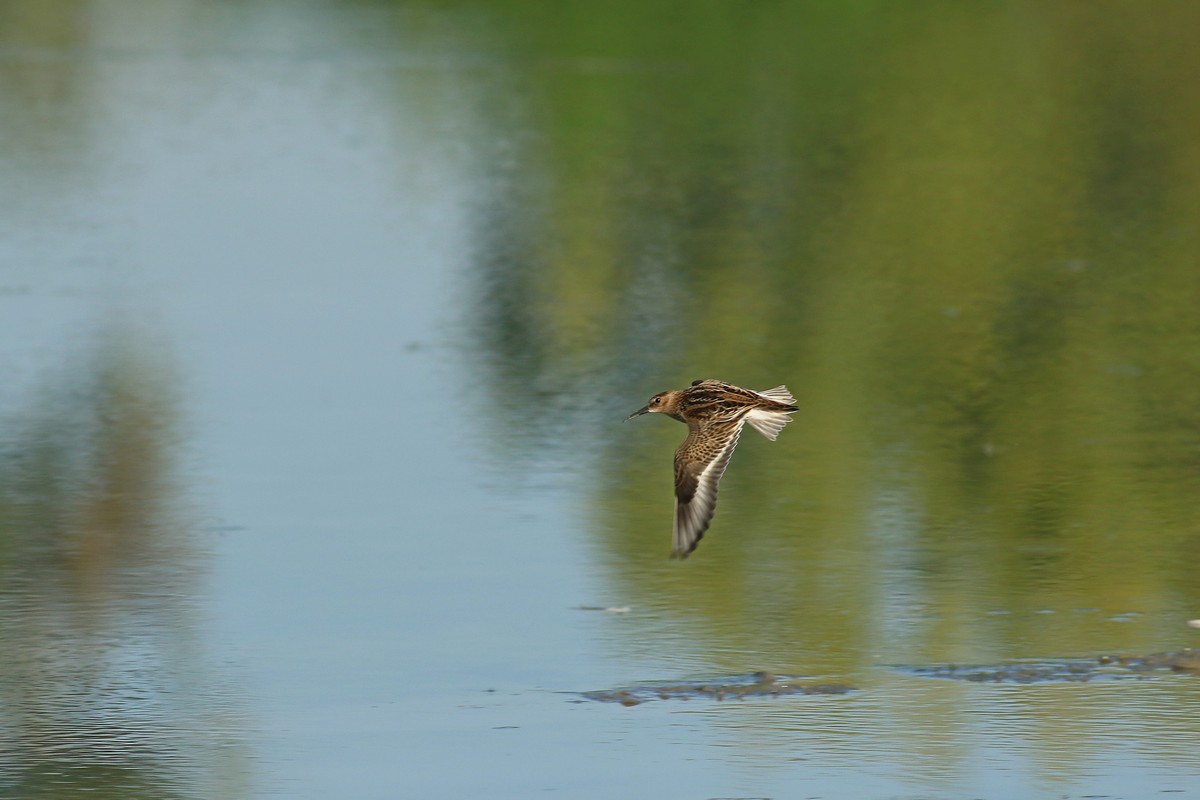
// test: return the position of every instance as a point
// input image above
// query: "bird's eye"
(653, 401)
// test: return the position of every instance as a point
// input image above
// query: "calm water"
(317, 325)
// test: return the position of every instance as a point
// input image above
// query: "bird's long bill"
(638, 413)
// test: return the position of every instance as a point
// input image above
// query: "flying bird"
(714, 412)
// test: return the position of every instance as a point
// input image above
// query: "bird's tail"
(779, 394)
(768, 423)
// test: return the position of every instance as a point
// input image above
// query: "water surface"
(318, 322)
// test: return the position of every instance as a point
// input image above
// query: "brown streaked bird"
(714, 412)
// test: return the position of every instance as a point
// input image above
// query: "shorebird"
(714, 412)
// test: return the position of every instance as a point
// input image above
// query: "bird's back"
(709, 401)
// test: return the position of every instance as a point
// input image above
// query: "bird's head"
(660, 403)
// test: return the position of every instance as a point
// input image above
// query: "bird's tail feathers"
(779, 394)
(768, 423)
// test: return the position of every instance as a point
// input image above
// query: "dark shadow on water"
(730, 687)
(1073, 670)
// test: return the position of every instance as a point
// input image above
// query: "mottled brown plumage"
(714, 412)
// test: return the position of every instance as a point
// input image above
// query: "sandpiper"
(715, 412)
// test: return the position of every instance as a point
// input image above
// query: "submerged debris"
(1186, 660)
(767, 684)
(1074, 670)
(758, 684)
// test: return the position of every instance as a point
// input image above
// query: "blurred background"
(318, 321)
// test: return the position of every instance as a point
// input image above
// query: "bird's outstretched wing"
(699, 464)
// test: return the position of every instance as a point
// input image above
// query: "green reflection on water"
(966, 237)
(103, 688)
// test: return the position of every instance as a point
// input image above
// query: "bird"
(715, 413)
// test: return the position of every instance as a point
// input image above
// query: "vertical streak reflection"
(102, 685)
